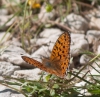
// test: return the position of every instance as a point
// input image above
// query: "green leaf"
(48, 77)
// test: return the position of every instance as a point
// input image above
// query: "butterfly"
(58, 62)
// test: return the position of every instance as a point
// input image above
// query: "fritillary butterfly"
(59, 59)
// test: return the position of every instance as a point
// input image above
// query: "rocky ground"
(84, 33)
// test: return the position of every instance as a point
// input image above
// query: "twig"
(84, 4)
(66, 28)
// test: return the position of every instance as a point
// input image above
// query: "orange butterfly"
(59, 59)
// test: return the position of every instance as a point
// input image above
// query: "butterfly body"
(59, 59)
(51, 64)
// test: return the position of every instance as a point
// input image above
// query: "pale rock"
(13, 42)
(47, 41)
(7, 92)
(91, 13)
(76, 22)
(84, 59)
(7, 68)
(49, 36)
(13, 55)
(49, 32)
(92, 35)
(95, 23)
(32, 74)
(78, 43)
(1, 77)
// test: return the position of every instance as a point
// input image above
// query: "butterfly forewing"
(60, 52)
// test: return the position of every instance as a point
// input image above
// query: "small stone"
(84, 59)
(76, 22)
(7, 92)
(48, 32)
(93, 37)
(95, 23)
(7, 68)
(13, 55)
(78, 43)
(32, 74)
